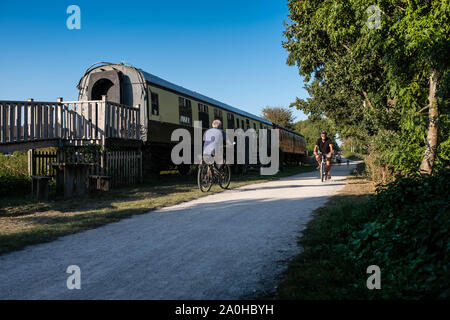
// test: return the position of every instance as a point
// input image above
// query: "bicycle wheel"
(225, 177)
(203, 180)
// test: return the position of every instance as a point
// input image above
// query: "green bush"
(14, 164)
(408, 237)
(352, 156)
(403, 229)
(13, 185)
(14, 178)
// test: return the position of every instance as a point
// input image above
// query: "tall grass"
(14, 178)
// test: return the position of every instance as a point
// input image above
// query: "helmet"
(323, 132)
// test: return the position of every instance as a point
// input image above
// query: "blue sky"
(228, 50)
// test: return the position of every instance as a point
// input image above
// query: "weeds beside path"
(402, 229)
(318, 272)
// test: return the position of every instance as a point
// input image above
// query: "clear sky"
(228, 50)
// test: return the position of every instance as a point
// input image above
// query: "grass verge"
(402, 228)
(24, 221)
(353, 156)
(319, 272)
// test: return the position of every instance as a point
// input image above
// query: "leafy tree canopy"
(280, 116)
(375, 83)
(311, 129)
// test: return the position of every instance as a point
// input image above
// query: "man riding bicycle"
(324, 146)
(215, 139)
(212, 168)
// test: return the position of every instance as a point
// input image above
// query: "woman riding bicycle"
(324, 146)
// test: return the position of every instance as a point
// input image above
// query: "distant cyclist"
(325, 146)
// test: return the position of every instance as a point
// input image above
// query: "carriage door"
(104, 83)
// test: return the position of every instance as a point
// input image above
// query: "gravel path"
(223, 246)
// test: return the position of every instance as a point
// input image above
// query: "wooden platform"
(35, 124)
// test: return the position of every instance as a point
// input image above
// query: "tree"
(421, 32)
(311, 129)
(329, 42)
(432, 137)
(374, 82)
(280, 116)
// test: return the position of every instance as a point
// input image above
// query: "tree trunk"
(432, 136)
(367, 99)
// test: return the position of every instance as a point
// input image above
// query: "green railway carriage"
(165, 106)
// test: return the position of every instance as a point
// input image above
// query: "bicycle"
(323, 167)
(209, 174)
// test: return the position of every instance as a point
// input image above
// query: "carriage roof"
(169, 85)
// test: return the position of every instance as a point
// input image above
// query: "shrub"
(352, 156)
(14, 178)
(377, 169)
(407, 237)
(13, 185)
(403, 228)
(15, 164)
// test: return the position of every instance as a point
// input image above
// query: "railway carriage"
(165, 106)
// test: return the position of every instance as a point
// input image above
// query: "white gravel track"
(227, 245)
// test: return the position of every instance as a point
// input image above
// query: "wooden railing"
(124, 167)
(71, 120)
(122, 121)
(39, 163)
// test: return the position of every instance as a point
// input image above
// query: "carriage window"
(203, 115)
(254, 125)
(202, 108)
(230, 121)
(248, 123)
(185, 111)
(242, 123)
(155, 104)
(260, 125)
(218, 115)
(237, 123)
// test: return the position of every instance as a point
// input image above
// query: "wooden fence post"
(105, 119)
(58, 117)
(4, 121)
(141, 175)
(138, 122)
(32, 120)
(11, 122)
(30, 162)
